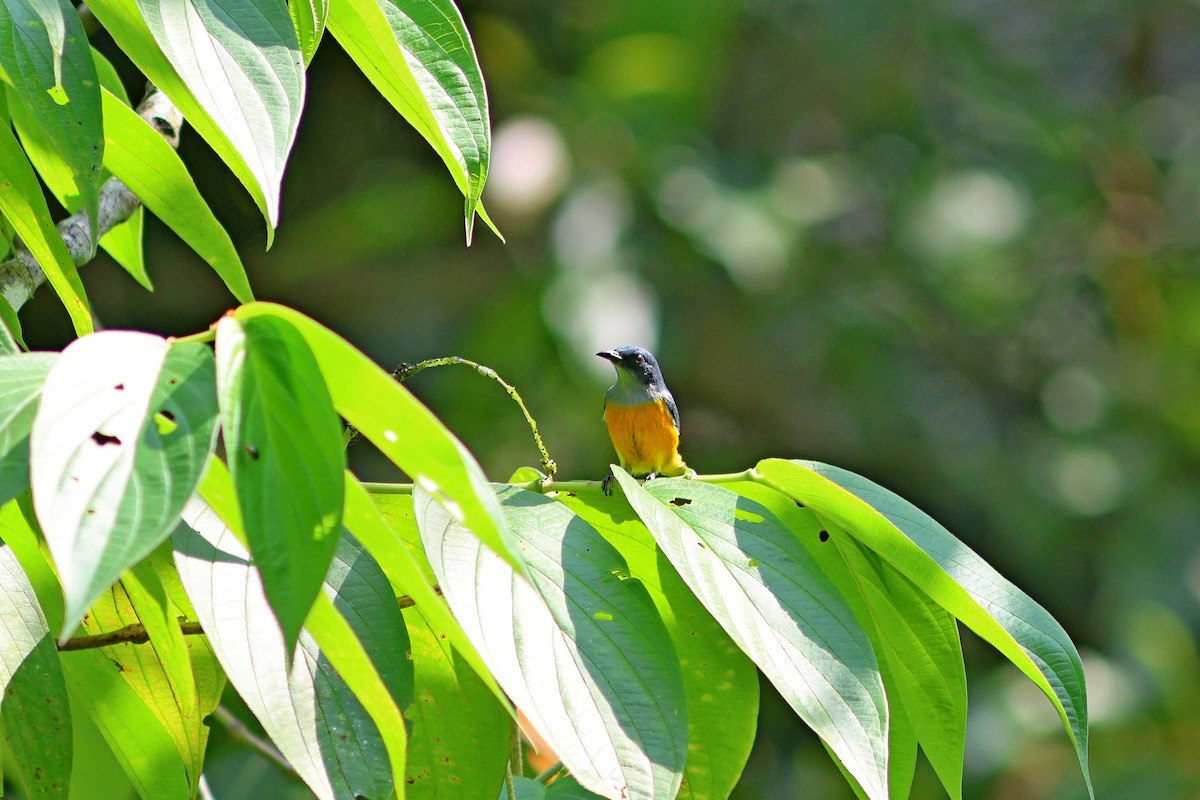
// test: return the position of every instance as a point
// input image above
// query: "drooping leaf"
(35, 710)
(774, 601)
(310, 713)
(404, 430)
(153, 170)
(308, 18)
(44, 44)
(241, 62)
(124, 22)
(581, 651)
(419, 55)
(720, 682)
(284, 447)
(124, 428)
(21, 378)
(22, 204)
(11, 340)
(952, 575)
(461, 734)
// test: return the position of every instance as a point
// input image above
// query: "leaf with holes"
(952, 575)
(35, 711)
(581, 650)
(22, 376)
(241, 62)
(773, 600)
(119, 443)
(309, 712)
(283, 442)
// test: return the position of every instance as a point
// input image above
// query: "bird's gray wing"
(674, 409)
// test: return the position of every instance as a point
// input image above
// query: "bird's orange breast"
(645, 438)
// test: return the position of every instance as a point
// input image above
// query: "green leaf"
(719, 681)
(43, 43)
(132, 729)
(125, 24)
(461, 734)
(567, 788)
(378, 521)
(404, 430)
(153, 170)
(241, 62)
(284, 447)
(11, 340)
(952, 575)
(22, 204)
(582, 651)
(108, 486)
(36, 712)
(773, 600)
(419, 55)
(308, 711)
(308, 18)
(21, 379)
(916, 640)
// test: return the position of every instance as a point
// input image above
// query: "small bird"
(641, 415)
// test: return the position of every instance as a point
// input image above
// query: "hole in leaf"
(173, 381)
(164, 421)
(823, 536)
(747, 516)
(680, 501)
(251, 451)
(799, 504)
(103, 439)
(120, 387)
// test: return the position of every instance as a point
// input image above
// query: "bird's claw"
(606, 485)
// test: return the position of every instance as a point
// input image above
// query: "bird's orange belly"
(645, 438)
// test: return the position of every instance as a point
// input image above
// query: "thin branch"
(552, 487)
(21, 275)
(240, 733)
(134, 633)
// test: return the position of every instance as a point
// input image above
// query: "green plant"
(178, 513)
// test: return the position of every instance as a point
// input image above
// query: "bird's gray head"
(635, 365)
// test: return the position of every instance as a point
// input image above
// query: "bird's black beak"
(610, 355)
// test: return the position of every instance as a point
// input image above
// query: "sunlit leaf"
(461, 734)
(284, 448)
(404, 430)
(107, 484)
(420, 57)
(952, 575)
(35, 711)
(22, 204)
(582, 651)
(774, 601)
(43, 42)
(21, 378)
(241, 62)
(720, 682)
(310, 713)
(308, 18)
(154, 172)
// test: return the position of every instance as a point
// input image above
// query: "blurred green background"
(952, 245)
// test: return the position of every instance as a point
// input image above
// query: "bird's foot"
(606, 485)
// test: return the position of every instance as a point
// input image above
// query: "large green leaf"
(284, 447)
(124, 22)
(773, 600)
(916, 639)
(309, 712)
(153, 170)
(581, 651)
(241, 62)
(22, 204)
(21, 378)
(119, 443)
(35, 711)
(952, 575)
(461, 734)
(404, 430)
(43, 44)
(419, 55)
(719, 681)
